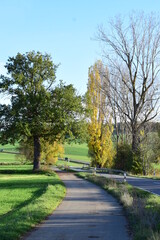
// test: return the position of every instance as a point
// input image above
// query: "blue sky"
(63, 28)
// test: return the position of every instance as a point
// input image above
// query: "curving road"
(87, 212)
(147, 184)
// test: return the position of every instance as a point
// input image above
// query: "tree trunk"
(37, 153)
(135, 142)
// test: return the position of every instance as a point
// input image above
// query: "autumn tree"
(38, 110)
(99, 127)
(50, 151)
(132, 52)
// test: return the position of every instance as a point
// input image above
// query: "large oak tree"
(38, 109)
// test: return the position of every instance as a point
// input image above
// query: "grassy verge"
(26, 199)
(142, 208)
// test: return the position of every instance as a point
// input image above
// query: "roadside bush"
(137, 165)
(124, 157)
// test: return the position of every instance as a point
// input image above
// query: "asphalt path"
(87, 212)
(150, 185)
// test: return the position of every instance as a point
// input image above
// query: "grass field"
(77, 151)
(6, 157)
(72, 151)
(26, 199)
(156, 167)
(9, 147)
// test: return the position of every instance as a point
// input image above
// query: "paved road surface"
(144, 183)
(87, 212)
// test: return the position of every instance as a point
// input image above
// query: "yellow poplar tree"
(100, 127)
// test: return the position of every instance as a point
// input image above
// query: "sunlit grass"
(77, 151)
(72, 151)
(26, 199)
(9, 147)
(8, 158)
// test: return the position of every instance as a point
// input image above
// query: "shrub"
(124, 157)
(137, 165)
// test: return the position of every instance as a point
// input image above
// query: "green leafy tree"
(124, 157)
(38, 109)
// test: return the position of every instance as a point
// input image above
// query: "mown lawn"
(9, 147)
(72, 151)
(9, 158)
(26, 199)
(6, 157)
(77, 151)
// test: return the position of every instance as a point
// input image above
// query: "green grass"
(142, 208)
(9, 147)
(77, 151)
(156, 166)
(26, 199)
(8, 158)
(72, 151)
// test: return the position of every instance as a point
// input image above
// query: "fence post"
(154, 172)
(125, 177)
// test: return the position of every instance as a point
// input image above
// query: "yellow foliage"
(51, 152)
(142, 133)
(100, 127)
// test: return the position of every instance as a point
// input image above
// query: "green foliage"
(78, 132)
(137, 165)
(32, 75)
(31, 199)
(37, 109)
(150, 147)
(49, 151)
(149, 150)
(26, 150)
(127, 160)
(124, 157)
